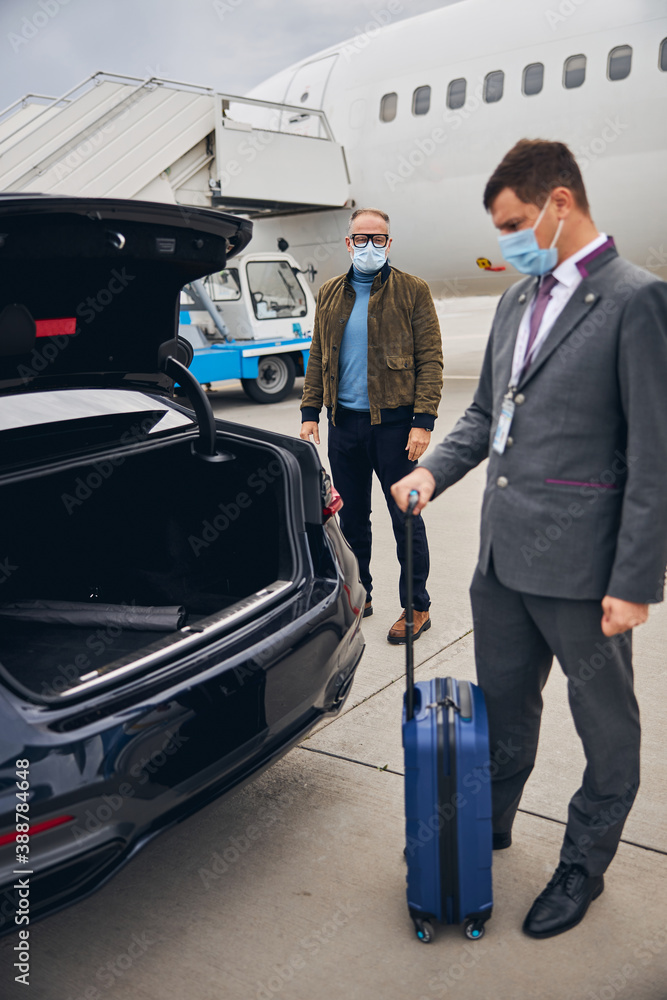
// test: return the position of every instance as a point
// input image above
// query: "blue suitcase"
(447, 795)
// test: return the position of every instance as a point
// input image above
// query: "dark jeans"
(516, 638)
(358, 448)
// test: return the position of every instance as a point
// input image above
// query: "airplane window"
(663, 55)
(620, 62)
(421, 100)
(493, 86)
(533, 79)
(388, 106)
(456, 93)
(574, 72)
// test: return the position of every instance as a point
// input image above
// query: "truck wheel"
(275, 379)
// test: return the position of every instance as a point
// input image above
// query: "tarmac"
(293, 886)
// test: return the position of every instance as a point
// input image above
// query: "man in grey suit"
(571, 410)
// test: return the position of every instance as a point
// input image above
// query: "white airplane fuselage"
(428, 171)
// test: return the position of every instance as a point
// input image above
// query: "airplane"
(426, 107)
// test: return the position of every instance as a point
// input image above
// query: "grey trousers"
(516, 637)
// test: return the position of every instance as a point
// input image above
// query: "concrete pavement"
(312, 907)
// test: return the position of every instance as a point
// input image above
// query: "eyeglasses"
(361, 239)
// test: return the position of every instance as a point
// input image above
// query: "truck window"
(224, 285)
(275, 291)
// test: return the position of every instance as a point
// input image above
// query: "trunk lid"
(89, 288)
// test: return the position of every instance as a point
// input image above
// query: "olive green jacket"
(404, 347)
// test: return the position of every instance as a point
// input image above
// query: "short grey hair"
(368, 211)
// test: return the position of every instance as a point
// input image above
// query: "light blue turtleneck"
(353, 362)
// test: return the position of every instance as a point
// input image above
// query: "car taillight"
(334, 505)
(48, 824)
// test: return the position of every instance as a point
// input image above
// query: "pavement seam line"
(351, 760)
(562, 822)
(526, 812)
(401, 677)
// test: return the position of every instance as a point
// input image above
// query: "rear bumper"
(144, 767)
(81, 872)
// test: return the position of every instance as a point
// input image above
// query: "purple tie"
(543, 295)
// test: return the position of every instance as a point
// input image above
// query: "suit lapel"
(575, 310)
(573, 313)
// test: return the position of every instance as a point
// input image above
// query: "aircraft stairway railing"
(119, 136)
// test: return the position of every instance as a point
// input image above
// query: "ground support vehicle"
(252, 321)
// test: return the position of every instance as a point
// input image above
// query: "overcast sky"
(48, 46)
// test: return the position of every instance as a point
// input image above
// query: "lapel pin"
(589, 298)
(522, 299)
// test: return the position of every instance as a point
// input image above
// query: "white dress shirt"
(569, 279)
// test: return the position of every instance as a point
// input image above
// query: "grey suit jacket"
(576, 506)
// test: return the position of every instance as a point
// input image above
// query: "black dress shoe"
(502, 840)
(564, 901)
(368, 609)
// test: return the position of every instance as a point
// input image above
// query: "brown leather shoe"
(396, 634)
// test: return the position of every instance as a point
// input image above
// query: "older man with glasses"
(376, 364)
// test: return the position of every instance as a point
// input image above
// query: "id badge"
(504, 424)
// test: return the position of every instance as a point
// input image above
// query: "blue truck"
(253, 322)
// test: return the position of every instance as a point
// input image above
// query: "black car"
(178, 606)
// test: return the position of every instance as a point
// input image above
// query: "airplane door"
(307, 89)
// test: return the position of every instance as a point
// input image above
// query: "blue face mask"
(524, 252)
(369, 259)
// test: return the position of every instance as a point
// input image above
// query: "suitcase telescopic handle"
(409, 618)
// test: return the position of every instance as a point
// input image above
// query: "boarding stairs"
(116, 136)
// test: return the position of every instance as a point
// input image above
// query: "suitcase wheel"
(474, 929)
(424, 930)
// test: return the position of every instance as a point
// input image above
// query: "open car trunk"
(157, 529)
